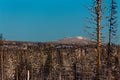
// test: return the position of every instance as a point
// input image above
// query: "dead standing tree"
(112, 26)
(112, 22)
(96, 14)
(112, 31)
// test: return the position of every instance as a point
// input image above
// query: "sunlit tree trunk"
(98, 14)
(28, 75)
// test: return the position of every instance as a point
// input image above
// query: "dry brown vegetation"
(48, 61)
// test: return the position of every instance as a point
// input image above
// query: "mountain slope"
(75, 40)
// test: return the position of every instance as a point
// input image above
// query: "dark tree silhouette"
(112, 29)
(112, 21)
(112, 25)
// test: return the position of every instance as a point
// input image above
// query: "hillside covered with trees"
(57, 62)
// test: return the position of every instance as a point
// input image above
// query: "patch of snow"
(79, 37)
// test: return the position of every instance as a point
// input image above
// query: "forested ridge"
(43, 61)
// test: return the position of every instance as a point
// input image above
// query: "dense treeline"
(57, 62)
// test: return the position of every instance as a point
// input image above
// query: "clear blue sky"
(43, 20)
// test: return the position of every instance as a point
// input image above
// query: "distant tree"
(48, 64)
(1, 38)
(2, 57)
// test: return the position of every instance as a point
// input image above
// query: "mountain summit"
(75, 40)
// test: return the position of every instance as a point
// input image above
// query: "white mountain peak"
(75, 40)
(79, 37)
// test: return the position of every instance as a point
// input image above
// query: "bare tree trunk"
(17, 73)
(32, 74)
(98, 2)
(60, 76)
(28, 75)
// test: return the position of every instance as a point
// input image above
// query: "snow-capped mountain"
(75, 40)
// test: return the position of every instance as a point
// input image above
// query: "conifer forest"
(50, 61)
(70, 58)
